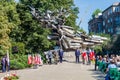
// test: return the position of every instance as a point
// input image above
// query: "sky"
(87, 7)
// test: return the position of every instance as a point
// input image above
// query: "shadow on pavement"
(97, 74)
(69, 61)
(72, 61)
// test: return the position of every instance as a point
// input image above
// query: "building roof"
(114, 4)
(95, 19)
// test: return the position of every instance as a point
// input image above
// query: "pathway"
(68, 70)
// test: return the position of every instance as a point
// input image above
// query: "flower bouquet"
(12, 76)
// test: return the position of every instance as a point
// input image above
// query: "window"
(99, 27)
(104, 30)
(118, 30)
(103, 23)
(111, 20)
(111, 30)
(117, 9)
(117, 20)
(110, 11)
(113, 9)
(108, 20)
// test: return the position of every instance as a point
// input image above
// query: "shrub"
(43, 56)
(23, 59)
(14, 64)
(18, 47)
(17, 60)
(0, 67)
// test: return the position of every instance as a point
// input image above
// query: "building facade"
(108, 22)
(96, 25)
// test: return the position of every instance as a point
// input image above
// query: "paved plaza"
(68, 70)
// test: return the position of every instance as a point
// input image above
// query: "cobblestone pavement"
(68, 70)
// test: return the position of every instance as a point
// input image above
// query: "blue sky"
(87, 7)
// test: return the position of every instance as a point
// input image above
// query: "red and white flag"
(29, 59)
(38, 59)
(92, 55)
(84, 55)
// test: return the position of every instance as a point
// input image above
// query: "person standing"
(61, 55)
(88, 56)
(55, 55)
(84, 56)
(96, 60)
(77, 54)
(110, 66)
(50, 56)
(3, 64)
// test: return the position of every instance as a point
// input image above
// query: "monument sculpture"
(64, 35)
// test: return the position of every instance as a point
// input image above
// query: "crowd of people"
(88, 56)
(55, 56)
(52, 56)
(111, 62)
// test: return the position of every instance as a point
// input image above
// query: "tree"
(96, 12)
(31, 31)
(113, 45)
(8, 20)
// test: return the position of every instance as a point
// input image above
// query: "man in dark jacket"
(60, 55)
(77, 54)
(3, 64)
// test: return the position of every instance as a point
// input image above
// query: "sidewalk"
(67, 70)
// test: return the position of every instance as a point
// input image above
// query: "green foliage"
(18, 61)
(104, 45)
(16, 65)
(43, 56)
(112, 45)
(96, 12)
(20, 46)
(104, 35)
(81, 30)
(91, 33)
(1, 52)
(98, 48)
(17, 26)
(31, 32)
(115, 43)
(8, 20)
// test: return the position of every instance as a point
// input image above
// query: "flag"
(84, 55)
(29, 59)
(37, 59)
(92, 55)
